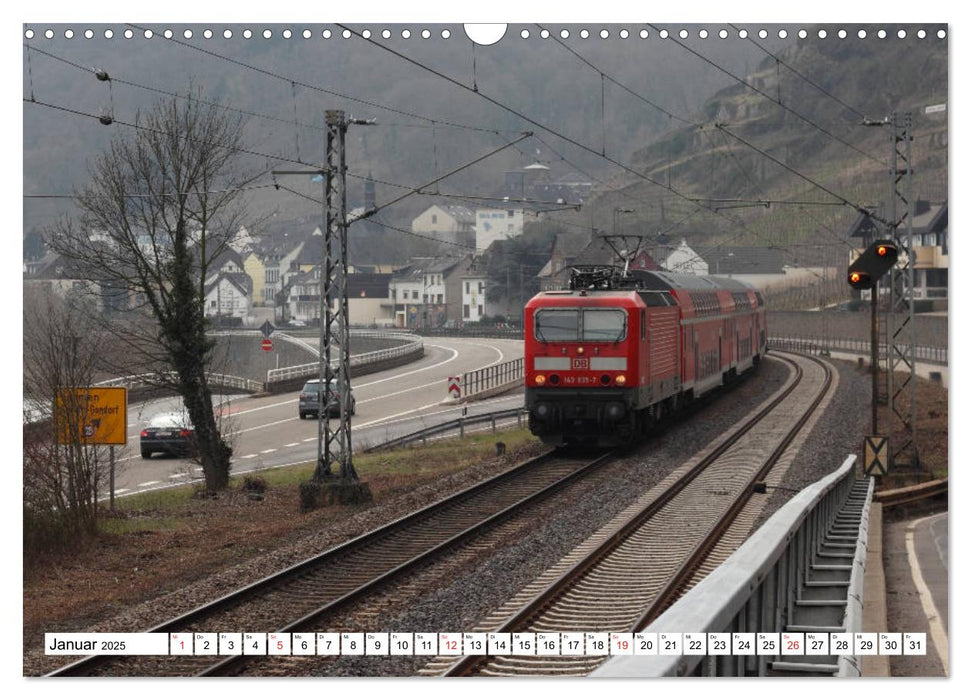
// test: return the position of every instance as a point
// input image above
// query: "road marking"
(291, 444)
(146, 483)
(266, 452)
(937, 634)
(117, 491)
(248, 456)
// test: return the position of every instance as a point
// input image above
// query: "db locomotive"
(619, 350)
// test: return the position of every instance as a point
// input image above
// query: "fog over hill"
(665, 107)
(297, 79)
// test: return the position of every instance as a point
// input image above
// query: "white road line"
(291, 444)
(146, 483)
(937, 634)
(310, 439)
(266, 452)
(248, 456)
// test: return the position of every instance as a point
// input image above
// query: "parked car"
(171, 433)
(310, 399)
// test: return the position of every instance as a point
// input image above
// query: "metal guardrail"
(313, 368)
(507, 333)
(491, 377)
(153, 379)
(818, 346)
(765, 583)
(459, 424)
(910, 494)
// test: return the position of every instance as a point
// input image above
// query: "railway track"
(627, 574)
(293, 599)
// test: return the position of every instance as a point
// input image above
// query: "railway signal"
(864, 273)
(873, 264)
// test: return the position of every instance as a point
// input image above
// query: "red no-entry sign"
(267, 344)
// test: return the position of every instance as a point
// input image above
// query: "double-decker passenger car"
(615, 353)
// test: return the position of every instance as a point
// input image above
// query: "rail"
(782, 579)
(459, 424)
(825, 345)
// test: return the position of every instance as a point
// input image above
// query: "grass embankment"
(160, 541)
(932, 435)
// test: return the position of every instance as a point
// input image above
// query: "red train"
(609, 357)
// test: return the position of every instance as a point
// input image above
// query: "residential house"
(368, 301)
(496, 224)
(253, 266)
(229, 295)
(930, 247)
(450, 223)
(681, 259)
(428, 293)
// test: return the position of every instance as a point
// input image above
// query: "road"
(267, 431)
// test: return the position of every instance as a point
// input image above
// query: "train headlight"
(620, 379)
(580, 350)
(540, 379)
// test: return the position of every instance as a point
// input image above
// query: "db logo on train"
(581, 363)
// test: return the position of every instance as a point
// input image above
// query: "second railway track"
(634, 567)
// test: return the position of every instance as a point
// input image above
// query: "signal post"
(865, 273)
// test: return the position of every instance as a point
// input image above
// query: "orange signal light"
(541, 379)
(882, 251)
(855, 277)
(621, 379)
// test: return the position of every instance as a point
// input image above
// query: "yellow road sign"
(92, 416)
(876, 454)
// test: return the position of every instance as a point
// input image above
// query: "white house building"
(683, 259)
(496, 224)
(229, 294)
(445, 222)
(473, 298)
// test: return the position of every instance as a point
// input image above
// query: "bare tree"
(62, 475)
(162, 205)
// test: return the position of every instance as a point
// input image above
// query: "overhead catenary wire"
(140, 127)
(317, 88)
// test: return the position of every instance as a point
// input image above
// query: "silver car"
(310, 399)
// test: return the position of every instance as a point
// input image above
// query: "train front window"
(557, 325)
(604, 325)
(575, 325)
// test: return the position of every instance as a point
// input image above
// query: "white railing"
(153, 379)
(313, 368)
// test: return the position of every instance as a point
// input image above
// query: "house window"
(465, 311)
(434, 218)
(510, 213)
(480, 287)
(414, 294)
(480, 311)
(467, 291)
(439, 299)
